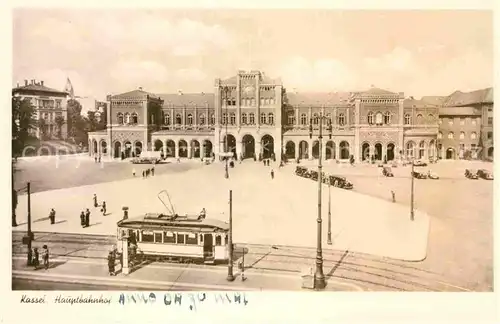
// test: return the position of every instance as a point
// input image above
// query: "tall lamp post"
(329, 237)
(225, 90)
(319, 277)
(412, 211)
(230, 276)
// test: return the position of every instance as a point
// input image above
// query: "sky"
(165, 50)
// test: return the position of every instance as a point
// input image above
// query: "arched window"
(167, 119)
(450, 135)
(251, 118)
(224, 119)
(341, 119)
(253, 102)
(303, 119)
(262, 118)
(270, 118)
(244, 118)
(315, 119)
(190, 119)
(291, 118)
(462, 135)
(127, 118)
(370, 118)
(431, 117)
(120, 118)
(232, 118)
(473, 135)
(440, 135)
(212, 119)
(387, 118)
(421, 151)
(178, 119)
(202, 119)
(419, 119)
(410, 148)
(328, 119)
(134, 118)
(407, 119)
(379, 118)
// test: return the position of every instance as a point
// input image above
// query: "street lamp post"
(412, 212)
(225, 89)
(319, 277)
(329, 237)
(30, 234)
(230, 276)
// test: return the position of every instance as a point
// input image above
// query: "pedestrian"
(45, 256)
(178, 160)
(153, 171)
(143, 173)
(99, 158)
(82, 219)
(103, 209)
(87, 218)
(147, 173)
(264, 161)
(52, 216)
(36, 258)
(272, 174)
(393, 196)
(95, 201)
(133, 172)
(95, 158)
(111, 263)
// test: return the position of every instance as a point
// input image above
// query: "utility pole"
(412, 215)
(30, 235)
(329, 238)
(230, 276)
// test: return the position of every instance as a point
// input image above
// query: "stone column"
(189, 149)
(337, 151)
(323, 148)
(258, 147)
(177, 150)
(125, 269)
(239, 148)
(164, 148)
(202, 149)
(297, 117)
(297, 150)
(384, 151)
(310, 148)
(357, 147)
(172, 118)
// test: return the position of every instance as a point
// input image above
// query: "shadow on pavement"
(41, 219)
(61, 221)
(337, 265)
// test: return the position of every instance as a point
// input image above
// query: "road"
(79, 262)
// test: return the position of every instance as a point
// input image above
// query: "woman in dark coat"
(82, 219)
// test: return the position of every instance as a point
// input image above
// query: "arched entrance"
(195, 149)
(344, 150)
(158, 145)
(207, 148)
(330, 150)
(138, 148)
(231, 144)
(183, 151)
(248, 146)
(315, 150)
(104, 147)
(290, 150)
(450, 153)
(118, 149)
(170, 149)
(365, 151)
(303, 150)
(378, 152)
(390, 151)
(128, 149)
(267, 143)
(94, 145)
(490, 152)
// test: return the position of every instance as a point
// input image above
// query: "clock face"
(248, 90)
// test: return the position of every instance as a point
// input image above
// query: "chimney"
(25, 82)
(41, 82)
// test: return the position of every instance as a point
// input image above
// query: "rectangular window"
(462, 121)
(473, 147)
(462, 146)
(218, 240)
(490, 121)
(158, 237)
(192, 238)
(181, 238)
(490, 135)
(169, 237)
(147, 237)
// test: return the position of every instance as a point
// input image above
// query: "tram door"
(208, 246)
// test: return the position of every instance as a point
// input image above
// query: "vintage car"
(340, 182)
(313, 175)
(432, 175)
(387, 171)
(485, 174)
(300, 171)
(145, 160)
(471, 174)
(419, 175)
(419, 163)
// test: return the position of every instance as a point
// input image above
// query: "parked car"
(419, 163)
(471, 174)
(387, 171)
(432, 175)
(485, 174)
(419, 175)
(340, 182)
(300, 171)
(314, 175)
(145, 160)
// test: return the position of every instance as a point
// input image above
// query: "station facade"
(255, 117)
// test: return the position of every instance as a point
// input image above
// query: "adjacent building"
(252, 115)
(50, 106)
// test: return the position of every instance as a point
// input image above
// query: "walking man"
(103, 209)
(111, 263)
(95, 201)
(36, 258)
(52, 216)
(45, 256)
(153, 171)
(87, 218)
(99, 158)
(82, 219)
(272, 174)
(143, 174)
(393, 196)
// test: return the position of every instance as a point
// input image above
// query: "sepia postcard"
(169, 154)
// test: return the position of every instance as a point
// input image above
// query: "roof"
(317, 98)
(38, 87)
(163, 220)
(135, 94)
(412, 102)
(188, 99)
(458, 111)
(434, 100)
(459, 98)
(99, 132)
(377, 92)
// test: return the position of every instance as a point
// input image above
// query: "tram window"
(147, 237)
(192, 238)
(225, 240)
(158, 238)
(169, 237)
(218, 240)
(181, 238)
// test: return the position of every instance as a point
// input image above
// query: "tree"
(59, 120)
(23, 121)
(74, 117)
(42, 126)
